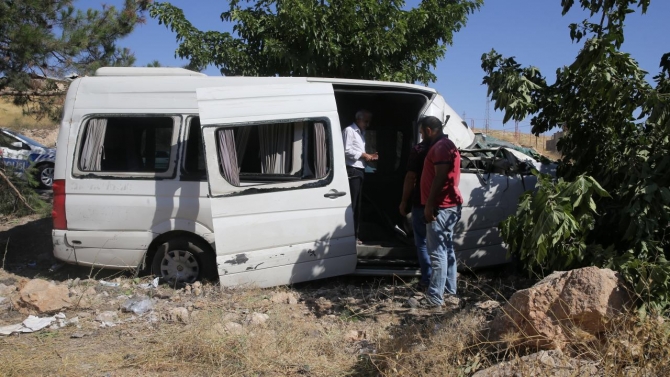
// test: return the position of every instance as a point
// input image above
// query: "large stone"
(41, 296)
(563, 307)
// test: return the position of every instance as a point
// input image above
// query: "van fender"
(184, 225)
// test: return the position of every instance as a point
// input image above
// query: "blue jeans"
(419, 227)
(439, 239)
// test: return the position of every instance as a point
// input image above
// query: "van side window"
(194, 167)
(277, 152)
(127, 144)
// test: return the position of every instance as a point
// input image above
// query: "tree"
(617, 126)
(42, 41)
(154, 64)
(363, 39)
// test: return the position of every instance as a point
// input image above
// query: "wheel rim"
(47, 177)
(179, 266)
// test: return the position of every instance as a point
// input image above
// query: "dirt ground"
(190, 330)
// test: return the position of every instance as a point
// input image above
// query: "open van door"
(280, 200)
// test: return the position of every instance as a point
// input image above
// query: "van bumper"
(62, 251)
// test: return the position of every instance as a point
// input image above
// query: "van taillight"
(58, 212)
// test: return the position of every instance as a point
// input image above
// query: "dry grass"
(12, 117)
(358, 336)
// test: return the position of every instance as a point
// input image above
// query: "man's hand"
(403, 208)
(428, 214)
(370, 157)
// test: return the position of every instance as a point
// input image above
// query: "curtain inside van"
(228, 156)
(275, 144)
(93, 150)
(241, 141)
(320, 150)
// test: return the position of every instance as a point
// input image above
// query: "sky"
(533, 31)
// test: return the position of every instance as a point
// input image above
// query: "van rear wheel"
(183, 260)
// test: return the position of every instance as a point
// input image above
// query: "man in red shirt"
(442, 200)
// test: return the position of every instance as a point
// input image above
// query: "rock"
(544, 363)
(90, 291)
(233, 328)
(163, 294)
(229, 328)
(323, 305)
(79, 335)
(487, 305)
(284, 298)
(549, 314)
(6, 290)
(412, 303)
(107, 318)
(197, 291)
(179, 314)
(257, 319)
(354, 335)
(41, 296)
(197, 284)
(75, 282)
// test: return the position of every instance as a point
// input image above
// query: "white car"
(19, 152)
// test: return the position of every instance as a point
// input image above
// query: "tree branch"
(18, 194)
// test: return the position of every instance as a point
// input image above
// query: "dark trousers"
(356, 176)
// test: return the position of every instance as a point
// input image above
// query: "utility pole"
(488, 115)
(516, 131)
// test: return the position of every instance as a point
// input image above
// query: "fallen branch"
(18, 194)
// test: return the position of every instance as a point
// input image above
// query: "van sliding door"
(280, 198)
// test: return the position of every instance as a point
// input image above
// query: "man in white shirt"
(356, 158)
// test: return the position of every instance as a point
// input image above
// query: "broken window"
(275, 152)
(194, 166)
(128, 145)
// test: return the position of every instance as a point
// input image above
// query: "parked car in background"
(20, 152)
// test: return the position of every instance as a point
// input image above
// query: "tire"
(184, 260)
(45, 176)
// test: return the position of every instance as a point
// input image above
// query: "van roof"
(134, 73)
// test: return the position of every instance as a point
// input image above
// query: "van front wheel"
(183, 261)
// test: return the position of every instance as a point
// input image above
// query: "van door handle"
(332, 194)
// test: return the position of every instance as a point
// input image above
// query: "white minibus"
(243, 179)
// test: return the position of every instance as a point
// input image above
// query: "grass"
(298, 340)
(12, 117)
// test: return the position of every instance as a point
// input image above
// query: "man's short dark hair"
(430, 122)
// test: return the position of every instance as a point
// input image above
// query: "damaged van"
(243, 178)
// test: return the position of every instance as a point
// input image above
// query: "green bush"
(551, 228)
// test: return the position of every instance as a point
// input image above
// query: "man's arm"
(441, 173)
(348, 139)
(407, 188)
